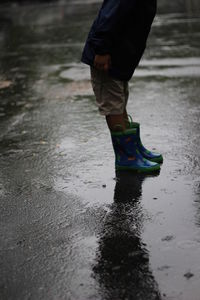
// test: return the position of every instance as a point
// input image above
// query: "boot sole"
(141, 170)
(156, 160)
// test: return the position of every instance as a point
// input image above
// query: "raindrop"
(167, 238)
(188, 275)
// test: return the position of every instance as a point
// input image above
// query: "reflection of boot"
(152, 156)
(128, 188)
(127, 154)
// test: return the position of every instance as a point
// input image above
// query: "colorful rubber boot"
(152, 156)
(127, 154)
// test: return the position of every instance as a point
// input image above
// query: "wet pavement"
(71, 228)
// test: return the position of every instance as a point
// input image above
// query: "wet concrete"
(71, 228)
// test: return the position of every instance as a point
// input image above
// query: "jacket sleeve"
(109, 22)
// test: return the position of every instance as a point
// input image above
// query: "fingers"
(102, 67)
(99, 66)
(106, 67)
(102, 62)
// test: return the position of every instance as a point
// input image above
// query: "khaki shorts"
(111, 94)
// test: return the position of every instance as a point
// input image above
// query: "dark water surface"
(68, 228)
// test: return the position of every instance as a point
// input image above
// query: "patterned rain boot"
(152, 156)
(127, 154)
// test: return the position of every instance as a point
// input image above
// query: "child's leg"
(126, 119)
(116, 122)
(111, 97)
(125, 114)
(120, 122)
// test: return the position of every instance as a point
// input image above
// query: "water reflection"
(32, 36)
(122, 268)
(189, 6)
(192, 5)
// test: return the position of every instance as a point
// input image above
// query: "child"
(113, 49)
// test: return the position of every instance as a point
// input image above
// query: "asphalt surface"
(70, 228)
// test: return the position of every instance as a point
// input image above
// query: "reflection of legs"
(122, 267)
(128, 188)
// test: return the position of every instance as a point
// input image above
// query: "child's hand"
(102, 62)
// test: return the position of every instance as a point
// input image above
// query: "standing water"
(71, 228)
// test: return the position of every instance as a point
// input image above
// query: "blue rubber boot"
(127, 154)
(152, 156)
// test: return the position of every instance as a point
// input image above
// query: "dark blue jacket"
(121, 30)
